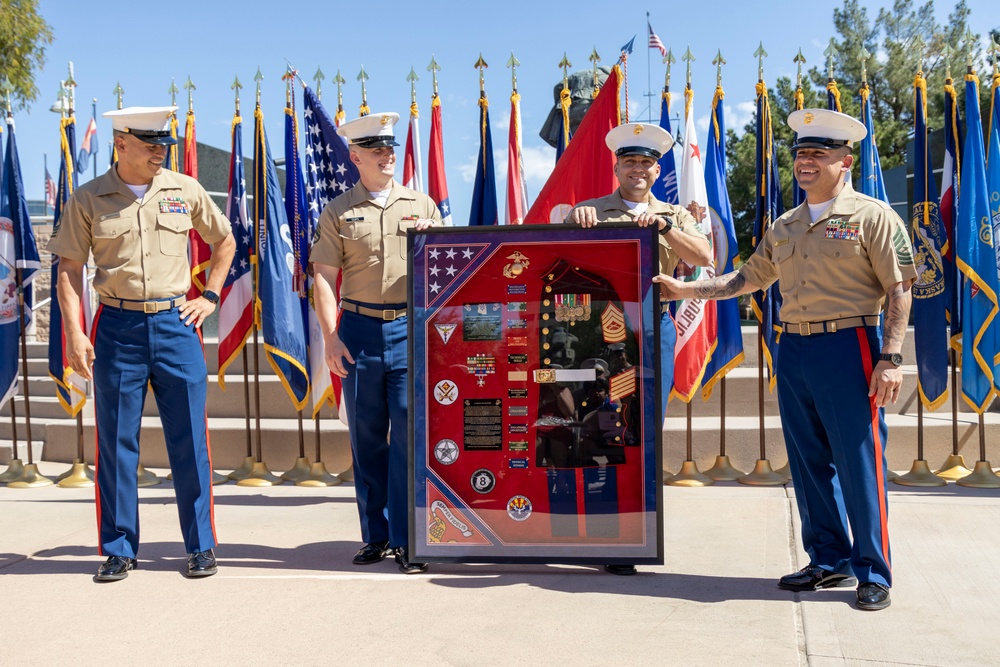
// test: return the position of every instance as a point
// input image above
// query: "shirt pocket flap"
(840, 249)
(783, 252)
(112, 228)
(175, 222)
(355, 230)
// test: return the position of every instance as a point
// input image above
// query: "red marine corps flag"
(587, 167)
(199, 252)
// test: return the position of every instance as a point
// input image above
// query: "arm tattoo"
(897, 316)
(721, 287)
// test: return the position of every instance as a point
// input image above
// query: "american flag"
(517, 193)
(654, 41)
(50, 189)
(236, 304)
(437, 183)
(329, 172)
(412, 162)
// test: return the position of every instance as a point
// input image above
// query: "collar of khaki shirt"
(615, 202)
(360, 195)
(111, 183)
(844, 204)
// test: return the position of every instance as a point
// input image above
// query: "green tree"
(24, 35)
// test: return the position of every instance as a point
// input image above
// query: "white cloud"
(539, 161)
(740, 116)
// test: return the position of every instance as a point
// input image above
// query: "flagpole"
(244, 470)
(93, 106)
(649, 74)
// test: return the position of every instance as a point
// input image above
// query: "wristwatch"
(896, 359)
(211, 297)
(667, 227)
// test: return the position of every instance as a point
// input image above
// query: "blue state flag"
(728, 350)
(484, 193)
(767, 303)
(976, 259)
(19, 263)
(279, 310)
(930, 295)
(872, 183)
(665, 187)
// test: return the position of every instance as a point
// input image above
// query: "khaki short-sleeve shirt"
(140, 247)
(613, 208)
(839, 266)
(368, 242)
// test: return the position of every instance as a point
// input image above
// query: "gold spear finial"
(434, 68)
(863, 56)
(340, 81)
(594, 58)
(760, 54)
(718, 61)
(513, 64)
(565, 64)
(318, 78)
(363, 77)
(236, 86)
(481, 66)
(799, 61)
(173, 90)
(190, 87)
(668, 60)
(119, 93)
(413, 78)
(9, 92)
(688, 57)
(289, 78)
(995, 48)
(918, 46)
(258, 77)
(970, 54)
(70, 88)
(830, 52)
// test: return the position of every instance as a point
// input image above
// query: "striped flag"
(484, 191)
(930, 328)
(697, 327)
(728, 350)
(517, 190)
(50, 189)
(71, 389)
(236, 303)
(278, 310)
(199, 252)
(767, 303)
(437, 183)
(88, 146)
(665, 187)
(654, 41)
(565, 102)
(976, 259)
(949, 210)
(412, 162)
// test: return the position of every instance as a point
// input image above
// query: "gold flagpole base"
(80, 476)
(31, 478)
(319, 476)
(14, 470)
(920, 475)
(891, 475)
(243, 471)
(299, 471)
(763, 475)
(689, 476)
(982, 477)
(954, 468)
(784, 471)
(147, 478)
(723, 470)
(260, 476)
(347, 475)
(219, 478)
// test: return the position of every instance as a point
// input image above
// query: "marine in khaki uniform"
(638, 148)
(361, 237)
(840, 259)
(135, 219)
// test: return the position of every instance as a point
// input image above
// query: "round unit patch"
(445, 392)
(446, 452)
(483, 481)
(519, 508)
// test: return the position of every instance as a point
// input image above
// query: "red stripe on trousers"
(866, 360)
(97, 463)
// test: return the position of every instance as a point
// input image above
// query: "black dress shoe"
(620, 570)
(115, 568)
(813, 577)
(405, 565)
(872, 597)
(202, 564)
(373, 552)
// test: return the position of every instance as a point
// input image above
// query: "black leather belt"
(148, 307)
(384, 314)
(829, 326)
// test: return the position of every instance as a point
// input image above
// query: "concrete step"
(279, 440)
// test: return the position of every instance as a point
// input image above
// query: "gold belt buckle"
(150, 307)
(545, 375)
(831, 327)
(805, 328)
(388, 315)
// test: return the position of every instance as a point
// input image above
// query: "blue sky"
(114, 41)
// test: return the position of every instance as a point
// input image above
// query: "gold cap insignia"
(638, 129)
(384, 120)
(808, 118)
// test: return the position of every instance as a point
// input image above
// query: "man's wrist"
(668, 224)
(211, 297)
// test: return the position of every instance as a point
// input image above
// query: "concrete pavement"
(286, 592)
